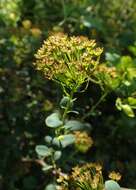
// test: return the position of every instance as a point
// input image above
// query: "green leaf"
(132, 49)
(56, 141)
(132, 102)
(74, 111)
(119, 104)
(126, 83)
(126, 62)
(74, 125)
(112, 185)
(128, 110)
(53, 120)
(64, 101)
(131, 73)
(112, 57)
(57, 155)
(86, 23)
(48, 139)
(51, 187)
(64, 140)
(43, 150)
(125, 107)
(47, 167)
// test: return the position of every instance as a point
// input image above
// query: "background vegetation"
(26, 98)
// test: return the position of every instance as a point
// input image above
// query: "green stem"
(94, 106)
(64, 9)
(54, 168)
(68, 106)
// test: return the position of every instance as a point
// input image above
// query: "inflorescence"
(68, 60)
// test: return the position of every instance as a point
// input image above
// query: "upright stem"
(67, 106)
(94, 106)
(64, 9)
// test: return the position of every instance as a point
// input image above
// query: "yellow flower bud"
(36, 32)
(26, 24)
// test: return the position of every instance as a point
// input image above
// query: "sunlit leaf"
(53, 120)
(57, 155)
(64, 140)
(43, 150)
(74, 125)
(112, 185)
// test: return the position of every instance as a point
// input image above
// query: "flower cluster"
(62, 180)
(85, 177)
(107, 77)
(115, 176)
(26, 24)
(68, 60)
(35, 31)
(107, 70)
(82, 141)
(88, 175)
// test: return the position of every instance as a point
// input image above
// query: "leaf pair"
(127, 106)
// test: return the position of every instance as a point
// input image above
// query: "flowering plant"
(71, 62)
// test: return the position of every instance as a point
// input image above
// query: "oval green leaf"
(51, 187)
(57, 155)
(128, 110)
(64, 101)
(48, 139)
(64, 140)
(74, 125)
(42, 150)
(112, 185)
(53, 120)
(47, 167)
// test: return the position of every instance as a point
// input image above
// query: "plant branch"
(95, 105)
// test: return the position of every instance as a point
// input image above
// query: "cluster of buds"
(82, 141)
(68, 60)
(115, 176)
(62, 180)
(88, 175)
(107, 70)
(107, 77)
(35, 31)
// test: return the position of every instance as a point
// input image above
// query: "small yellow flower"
(12, 16)
(115, 176)
(111, 71)
(26, 24)
(47, 105)
(98, 167)
(36, 32)
(60, 179)
(83, 141)
(94, 32)
(62, 187)
(94, 185)
(76, 171)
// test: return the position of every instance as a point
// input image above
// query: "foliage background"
(26, 99)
